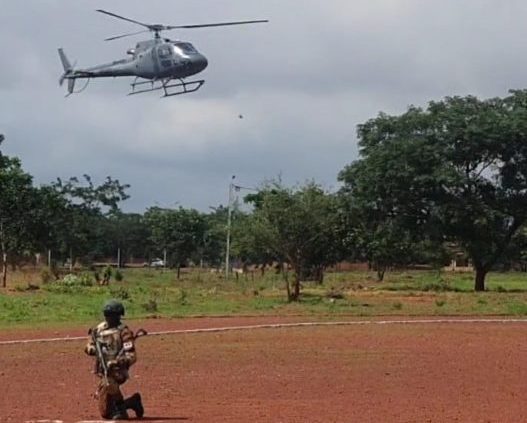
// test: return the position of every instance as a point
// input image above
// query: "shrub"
(55, 271)
(58, 288)
(440, 303)
(335, 294)
(398, 306)
(46, 275)
(70, 280)
(118, 275)
(150, 306)
(85, 279)
(439, 286)
(107, 274)
(183, 297)
(28, 288)
(120, 293)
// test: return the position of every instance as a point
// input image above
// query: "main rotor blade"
(126, 35)
(215, 24)
(123, 18)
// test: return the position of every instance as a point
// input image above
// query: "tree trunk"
(4, 269)
(320, 275)
(481, 273)
(381, 270)
(4, 255)
(295, 295)
(287, 286)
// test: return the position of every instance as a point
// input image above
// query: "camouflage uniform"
(119, 353)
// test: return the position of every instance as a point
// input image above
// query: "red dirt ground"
(376, 373)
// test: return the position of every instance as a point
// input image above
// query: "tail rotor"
(68, 72)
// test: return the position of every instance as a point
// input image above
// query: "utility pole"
(229, 221)
(4, 255)
(232, 188)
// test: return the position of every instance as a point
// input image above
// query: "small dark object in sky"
(240, 116)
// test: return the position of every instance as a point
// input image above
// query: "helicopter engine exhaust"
(68, 71)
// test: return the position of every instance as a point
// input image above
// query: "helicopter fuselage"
(152, 59)
(158, 64)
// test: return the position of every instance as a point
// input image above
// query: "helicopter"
(158, 64)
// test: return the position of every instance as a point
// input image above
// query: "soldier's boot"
(135, 403)
(120, 411)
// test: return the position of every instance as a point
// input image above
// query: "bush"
(85, 279)
(107, 274)
(70, 280)
(150, 306)
(118, 275)
(440, 303)
(46, 275)
(57, 288)
(183, 295)
(120, 293)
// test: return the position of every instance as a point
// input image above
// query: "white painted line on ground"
(97, 421)
(44, 421)
(280, 326)
(61, 421)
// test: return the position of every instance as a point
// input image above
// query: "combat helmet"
(113, 308)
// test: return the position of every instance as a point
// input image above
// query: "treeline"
(430, 184)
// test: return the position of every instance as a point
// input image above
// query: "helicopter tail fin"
(71, 86)
(68, 70)
(65, 62)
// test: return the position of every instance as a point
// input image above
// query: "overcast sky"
(302, 82)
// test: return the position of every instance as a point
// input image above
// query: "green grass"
(151, 293)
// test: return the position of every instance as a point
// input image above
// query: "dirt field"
(462, 372)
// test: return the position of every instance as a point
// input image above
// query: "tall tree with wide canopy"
(18, 205)
(455, 171)
(297, 226)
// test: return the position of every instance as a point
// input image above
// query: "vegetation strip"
(282, 326)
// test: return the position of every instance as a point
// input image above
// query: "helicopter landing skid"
(167, 86)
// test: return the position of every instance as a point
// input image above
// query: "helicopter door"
(165, 55)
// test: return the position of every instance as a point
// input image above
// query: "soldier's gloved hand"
(90, 350)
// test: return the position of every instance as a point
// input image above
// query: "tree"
(17, 206)
(252, 241)
(180, 231)
(297, 226)
(371, 231)
(127, 232)
(456, 171)
(81, 231)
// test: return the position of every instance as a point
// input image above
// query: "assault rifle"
(100, 363)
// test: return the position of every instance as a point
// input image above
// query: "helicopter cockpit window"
(164, 51)
(187, 48)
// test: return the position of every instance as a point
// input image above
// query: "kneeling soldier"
(113, 345)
